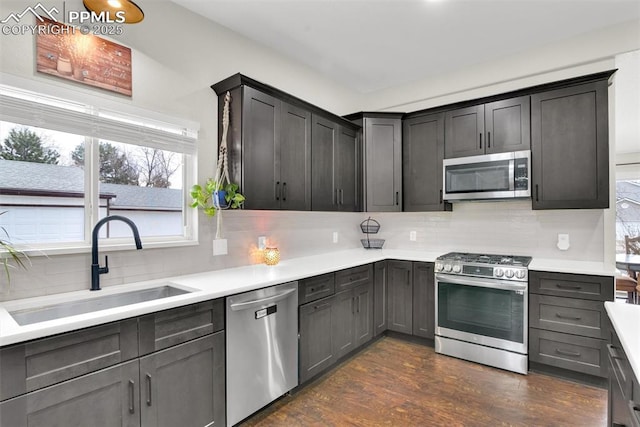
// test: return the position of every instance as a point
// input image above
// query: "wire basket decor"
(371, 226)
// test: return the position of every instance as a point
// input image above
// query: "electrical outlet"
(335, 237)
(262, 242)
(563, 242)
(219, 247)
(412, 236)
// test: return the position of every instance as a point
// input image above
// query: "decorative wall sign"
(64, 51)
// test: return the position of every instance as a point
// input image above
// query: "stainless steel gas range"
(482, 309)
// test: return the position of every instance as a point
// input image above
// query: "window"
(627, 211)
(65, 165)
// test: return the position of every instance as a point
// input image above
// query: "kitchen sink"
(72, 308)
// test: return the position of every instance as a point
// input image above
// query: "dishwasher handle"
(258, 302)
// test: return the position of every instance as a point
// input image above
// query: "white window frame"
(26, 102)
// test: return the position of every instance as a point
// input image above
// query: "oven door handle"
(482, 283)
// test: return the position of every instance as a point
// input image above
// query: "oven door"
(488, 312)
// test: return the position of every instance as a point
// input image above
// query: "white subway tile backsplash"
(492, 227)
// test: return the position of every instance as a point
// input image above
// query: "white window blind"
(34, 109)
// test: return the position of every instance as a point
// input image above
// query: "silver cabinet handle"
(148, 390)
(132, 402)
(277, 190)
(284, 191)
(560, 316)
(568, 353)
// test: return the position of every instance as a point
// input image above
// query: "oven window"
(478, 177)
(489, 312)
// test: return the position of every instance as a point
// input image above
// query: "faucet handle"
(105, 269)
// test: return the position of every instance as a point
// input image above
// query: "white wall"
(176, 57)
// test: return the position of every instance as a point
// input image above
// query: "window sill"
(113, 246)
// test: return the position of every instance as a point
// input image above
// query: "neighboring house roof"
(629, 190)
(628, 210)
(42, 177)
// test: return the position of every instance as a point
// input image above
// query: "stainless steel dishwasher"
(262, 348)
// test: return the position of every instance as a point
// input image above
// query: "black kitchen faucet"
(96, 270)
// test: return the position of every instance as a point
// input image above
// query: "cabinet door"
(295, 158)
(422, 154)
(363, 320)
(379, 297)
(108, 398)
(464, 132)
(400, 297)
(43, 362)
(570, 148)
(383, 156)
(342, 324)
(508, 125)
(184, 385)
(423, 300)
(347, 169)
(260, 150)
(316, 338)
(324, 139)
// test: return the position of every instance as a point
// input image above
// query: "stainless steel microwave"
(489, 176)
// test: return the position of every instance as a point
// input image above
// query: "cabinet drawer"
(165, 329)
(569, 315)
(352, 277)
(581, 286)
(33, 365)
(580, 354)
(316, 287)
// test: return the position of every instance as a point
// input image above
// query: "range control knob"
(520, 274)
(456, 268)
(438, 266)
(499, 272)
(508, 274)
(447, 267)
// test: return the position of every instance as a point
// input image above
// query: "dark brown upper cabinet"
(335, 166)
(270, 148)
(570, 148)
(382, 152)
(276, 153)
(494, 127)
(422, 154)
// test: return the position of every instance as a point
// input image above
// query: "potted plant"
(9, 253)
(213, 196)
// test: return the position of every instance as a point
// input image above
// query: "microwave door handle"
(512, 175)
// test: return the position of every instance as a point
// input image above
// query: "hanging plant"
(219, 192)
(212, 197)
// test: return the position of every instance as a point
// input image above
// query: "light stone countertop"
(216, 284)
(625, 319)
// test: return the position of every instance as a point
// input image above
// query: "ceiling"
(368, 45)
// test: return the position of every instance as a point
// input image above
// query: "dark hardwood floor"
(398, 383)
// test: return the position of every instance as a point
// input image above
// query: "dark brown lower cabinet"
(332, 327)
(400, 297)
(423, 300)
(379, 297)
(183, 385)
(624, 389)
(316, 340)
(568, 325)
(107, 398)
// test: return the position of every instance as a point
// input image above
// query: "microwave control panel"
(521, 174)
